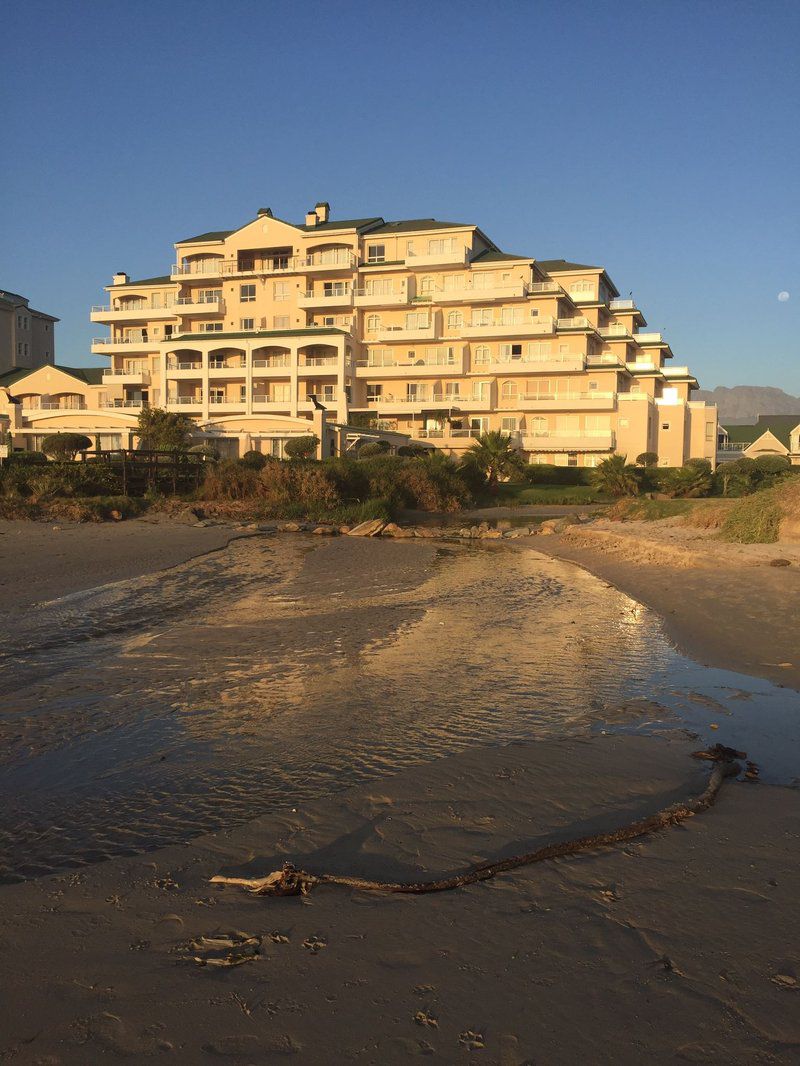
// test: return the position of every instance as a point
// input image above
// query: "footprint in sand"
(314, 944)
(423, 1017)
(471, 1040)
(224, 949)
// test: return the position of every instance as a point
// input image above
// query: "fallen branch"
(291, 882)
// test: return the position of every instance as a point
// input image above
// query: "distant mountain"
(744, 403)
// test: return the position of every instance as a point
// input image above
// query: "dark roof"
(779, 425)
(554, 266)
(348, 223)
(492, 256)
(89, 375)
(213, 235)
(12, 297)
(410, 225)
(164, 279)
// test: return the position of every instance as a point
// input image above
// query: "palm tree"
(494, 454)
(615, 477)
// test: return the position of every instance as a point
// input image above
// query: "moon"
(783, 296)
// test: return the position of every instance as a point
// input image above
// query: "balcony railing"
(124, 403)
(272, 361)
(622, 305)
(617, 330)
(576, 322)
(269, 265)
(49, 405)
(184, 400)
(537, 287)
(139, 338)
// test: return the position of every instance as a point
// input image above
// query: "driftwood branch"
(289, 881)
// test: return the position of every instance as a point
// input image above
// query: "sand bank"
(681, 947)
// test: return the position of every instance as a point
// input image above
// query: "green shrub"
(302, 447)
(254, 459)
(28, 457)
(647, 459)
(754, 519)
(614, 477)
(372, 448)
(692, 480)
(65, 446)
(548, 474)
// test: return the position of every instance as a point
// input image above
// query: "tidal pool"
(149, 711)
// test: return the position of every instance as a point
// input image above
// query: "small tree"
(163, 431)
(302, 447)
(255, 460)
(495, 456)
(647, 459)
(373, 447)
(65, 446)
(693, 479)
(615, 477)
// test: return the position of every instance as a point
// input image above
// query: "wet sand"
(679, 948)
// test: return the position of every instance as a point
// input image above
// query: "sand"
(681, 947)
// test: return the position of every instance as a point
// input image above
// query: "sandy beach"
(679, 947)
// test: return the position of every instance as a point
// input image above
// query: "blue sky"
(658, 140)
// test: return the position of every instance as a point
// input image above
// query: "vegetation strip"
(289, 881)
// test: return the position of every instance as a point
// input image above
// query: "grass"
(753, 519)
(513, 494)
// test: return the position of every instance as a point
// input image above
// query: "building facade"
(419, 327)
(27, 336)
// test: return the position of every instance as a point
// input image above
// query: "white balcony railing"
(272, 264)
(274, 361)
(576, 322)
(622, 305)
(123, 403)
(536, 288)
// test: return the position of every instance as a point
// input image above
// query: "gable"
(766, 444)
(50, 379)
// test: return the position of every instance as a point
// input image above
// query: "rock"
(546, 531)
(116, 515)
(549, 524)
(370, 528)
(491, 534)
(475, 531)
(344, 529)
(289, 527)
(430, 532)
(391, 529)
(325, 531)
(780, 562)
(465, 533)
(484, 526)
(203, 523)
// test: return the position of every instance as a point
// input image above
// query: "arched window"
(455, 320)
(509, 390)
(373, 322)
(537, 427)
(426, 285)
(482, 354)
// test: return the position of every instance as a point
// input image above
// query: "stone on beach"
(370, 528)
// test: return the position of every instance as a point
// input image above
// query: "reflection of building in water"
(421, 327)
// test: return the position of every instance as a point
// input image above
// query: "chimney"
(323, 210)
(264, 212)
(120, 278)
(311, 218)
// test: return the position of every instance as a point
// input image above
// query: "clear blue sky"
(661, 141)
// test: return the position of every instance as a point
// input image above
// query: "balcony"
(311, 299)
(397, 296)
(622, 305)
(458, 256)
(544, 288)
(442, 364)
(127, 376)
(54, 405)
(196, 305)
(184, 369)
(279, 366)
(648, 338)
(339, 259)
(615, 332)
(577, 322)
(220, 370)
(265, 404)
(136, 405)
(103, 345)
(225, 403)
(322, 365)
(530, 327)
(131, 312)
(406, 334)
(471, 292)
(563, 401)
(186, 403)
(557, 440)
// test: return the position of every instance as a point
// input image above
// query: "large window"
(416, 319)
(373, 323)
(509, 390)
(441, 244)
(482, 316)
(281, 322)
(374, 392)
(247, 293)
(376, 253)
(481, 354)
(455, 320)
(280, 290)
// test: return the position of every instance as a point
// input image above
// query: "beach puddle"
(283, 669)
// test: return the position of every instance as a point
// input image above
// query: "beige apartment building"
(418, 328)
(27, 337)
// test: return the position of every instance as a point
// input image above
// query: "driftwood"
(289, 881)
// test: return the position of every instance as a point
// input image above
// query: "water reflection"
(155, 709)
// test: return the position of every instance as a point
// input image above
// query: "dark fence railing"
(158, 471)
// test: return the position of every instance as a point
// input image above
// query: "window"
(335, 288)
(509, 390)
(479, 425)
(247, 293)
(482, 281)
(442, 244)
(211, 327)
(665, 425)
(416, 319)
(583, 286)
(379, 287)
(508, 425)
(482, 316)
(623, 423)
(216, 396)
(455, 320)
(480, 390)
(281, 322)
(280, 290)
(242, 394)
(510, 351)
(592, 386)
(453, 282)
(373, 322)
(374, 392)
(481, 354)
(415, 391)
(537, 427)
(210, 296)
(376, 253)
(572, 458)
(452, 390)
(426, 285)
(409, 248)
(709, 431)
(246, 323)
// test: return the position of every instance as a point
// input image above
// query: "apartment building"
(27, 336)
(420, 328)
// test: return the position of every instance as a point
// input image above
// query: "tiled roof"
(492, 256)
(213, 235)
(779, 425)
(186, 338)
(333, 223)
(89, 375)
(164, 279)
(554, 266)
(411, 225)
